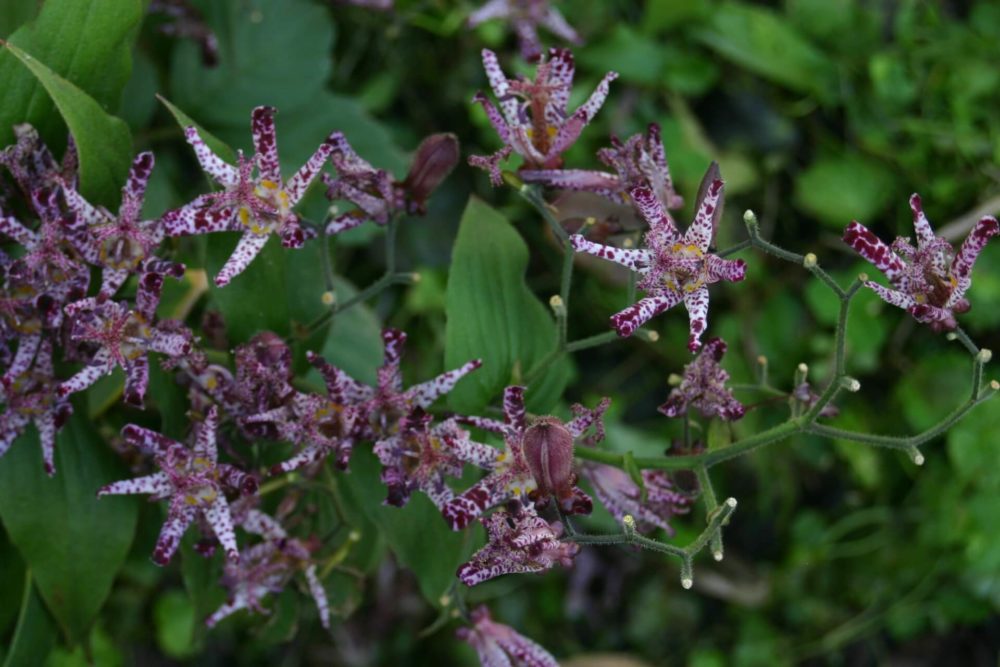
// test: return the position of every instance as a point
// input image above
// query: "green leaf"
(839, 189)
(763, 42)
(86, 42)
(636, 58)
(11, 583)
(35, 633)
(218, 146)
(244, 302)
(174, 617)
(493, 315)
(73, 542)
(416, 533)
(273, 52)
(354, 343)
(103, 141)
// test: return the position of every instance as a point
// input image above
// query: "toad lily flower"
(525, 16)
(673, 268)
(519, 541)
(499, 645)
(620, 495)
(32, 164)
(119, 244)
(32, 396)
(193, 480)
(640, 161)
(929, 281)
(257, 206)
(535, 463)
(704, 387)
(534, 121)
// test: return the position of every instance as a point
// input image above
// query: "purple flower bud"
(548, 449)
(436, 156)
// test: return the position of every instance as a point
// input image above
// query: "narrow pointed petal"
(633, 258)
(527, 40)
(484, 423)
(136, 381)
(224, 173)
(344, 222)
(9, 226)
(339, 384)
(656, 216)
(197, 217)
(496, 120)
(596, 101)
(586, 418)
(561, 73)
(318, 595)
(83, 209)
(179, 517)
(204, 443)
(157, 484)
(85, 377)
(871, 247)
(249, 246)
(556, 23)
(500, 86)
(696, 303)
(299, 182)
(309, 454)
(265, 143)
(476, 453)
(494, 9)
(598, 182)
(627, 321)
(733, 270)
(891, 296)
(569, 132)
(262, 524)
(965, 259)
(227, 609)
(513, 407)
(149, 441)
(702, 229)
(218, 517)
(11, 425)
(169, 343)
(46, 425)
(460, 511)
(27, 348)
(134, 190)
(426, 393)
(112, 280)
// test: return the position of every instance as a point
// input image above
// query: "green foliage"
(73, 542)
(493, 315)
(35, 633)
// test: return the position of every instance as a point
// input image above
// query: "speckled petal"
(198, 217)
(484, 423)
(89, 214)
(596, 100)
(224, 173)
(633, 258)
(300, 181)
(651, 209)
(9, 226)
(169, 343)
(598, 182)
(27, 347)
(134, 190)
(309, 454)
(228, 608)
(476, 453)
(733, 270)
(496, 120)
(500, 86)
(339, 385)
(696, 303)
(527, 39)
(204, 443)
(426, 393)
(112, 280)
(922, 227)
(262, 524)
(88, 375)
(265, 143)
(464, 508)
(702, 230)
(871, 247)
(11, 425)
(179, 517)
(157, 484)
(136, 381)
(494, 9)
(556, 23)
(249, 246)
(318, 595)
(891, 296)
(627, 321)
(965, 259)
(149, 441)
(513, 408)
(46, 425)
(218, 517)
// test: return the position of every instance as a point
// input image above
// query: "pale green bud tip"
(994, 385)
(557, 305)
(354, 536)
(810, 261)
(916, 456)
(650, 336)
(629, 521)
(984, 356)
(951, 336)
(731, 502)
(762, 360)
(674, 379)
(749, 217)
(687, 583)
(717, 555)
(328, 298)
(850, 384)
(444, 600)
(803, 369)
(415, 277)
(863, 277)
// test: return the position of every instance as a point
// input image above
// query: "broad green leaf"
(839, 189)
(354, 343)
(35, 633)
(175, 620)
(273, 52)
(12, 575)
(765, 43)
(73, 542)
(416, 533)
(218, 146)
(14, 14)
(255, 300)
(636, 58)
(493, 315)
(86, 42)
(103, 141)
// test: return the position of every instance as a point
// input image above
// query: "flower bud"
(548, 449)
(436, 156)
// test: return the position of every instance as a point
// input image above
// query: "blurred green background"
(819, 112)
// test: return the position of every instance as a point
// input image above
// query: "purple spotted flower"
(704, 387)
(638, 162)
(375, 193)
(120, 244)
(32, 396)
(673, 268)
(511, 475)
(33, 165)
(185, 21)
(124, 338)
(499, 645)
(257, 205)
(621, 496)
(929, 281)
(525, 16)
(267, 567)
(421, 456)
(519, 541)
(533, 119)
(192, 479)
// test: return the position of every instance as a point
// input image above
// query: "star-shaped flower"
(511, 474)
(32, 164)
(519, 541)
(267, 567)
(535, 121)
(673, 268)
(525, 16)
(638, 162)
(119, 244)
(929, 281)
(32, 396)
(621, 496)
(255, 205)
(703, 386)
(192, 479)
(499, 645)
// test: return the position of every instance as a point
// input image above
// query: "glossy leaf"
(73, 542)
(103, 141)
(35, 633)
(494, 316)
